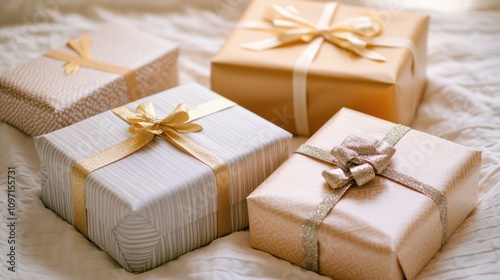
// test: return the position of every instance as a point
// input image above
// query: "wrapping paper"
(160, 202)
(38, 97)
(261, 81)
(382, 230)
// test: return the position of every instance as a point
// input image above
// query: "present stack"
(365, 199)
(94, 73)
(296, 63)
(167, 173)
(177, 182)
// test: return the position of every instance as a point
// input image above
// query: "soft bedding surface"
(461, 104)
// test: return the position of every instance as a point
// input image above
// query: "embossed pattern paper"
(160, 202)
(381, 230)
(49, 93)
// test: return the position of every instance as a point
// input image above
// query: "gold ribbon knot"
(358, 159)
(352, 34)
(84, 59)
(176, 121)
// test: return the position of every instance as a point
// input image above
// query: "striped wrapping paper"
(159, 202)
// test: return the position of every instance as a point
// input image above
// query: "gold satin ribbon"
(357, 162)
(145, 126)
(353, 34)
(84, 58)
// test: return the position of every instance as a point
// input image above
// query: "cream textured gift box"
(160, 202)
(283, 73)
(99, 71)
(381, 230)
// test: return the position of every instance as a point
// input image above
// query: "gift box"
(336, 219)
(171, 194)
(94, 73)
(296, 63)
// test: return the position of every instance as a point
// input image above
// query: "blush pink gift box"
(382, 230)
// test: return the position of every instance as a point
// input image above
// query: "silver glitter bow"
(358, 159)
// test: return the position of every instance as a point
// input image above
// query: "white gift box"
(160, 202)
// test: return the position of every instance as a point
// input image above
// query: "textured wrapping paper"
(160, 202)
(261, 81)
(382, 230)
(38, 97)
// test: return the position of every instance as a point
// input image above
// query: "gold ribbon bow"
(84, 58)
(357, 162)
(176, 121)
(145, 126)
(352, 34)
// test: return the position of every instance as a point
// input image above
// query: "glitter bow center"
(358, 160)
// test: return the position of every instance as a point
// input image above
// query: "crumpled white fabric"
(461, 103)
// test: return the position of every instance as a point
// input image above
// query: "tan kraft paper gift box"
(299, 85)
(390, 226)
(104, 69)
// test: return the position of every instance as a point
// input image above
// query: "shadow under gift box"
(160, 202)
(39, 97)
(381, 230)
(262, 81)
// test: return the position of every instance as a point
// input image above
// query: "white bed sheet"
(461, 103)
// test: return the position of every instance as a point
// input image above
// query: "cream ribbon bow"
(354, 34)
(358, 160)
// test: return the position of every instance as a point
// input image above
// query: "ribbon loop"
(362, 173)
(336, 177)
(177, 120)
(359, 160)
(352, 34)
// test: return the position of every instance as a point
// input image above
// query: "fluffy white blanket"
(461, 103)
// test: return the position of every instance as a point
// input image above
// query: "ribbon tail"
(81, 169)
(269, 43)
(369, 54)
(393, 42)
(85, 43)
(71, 67)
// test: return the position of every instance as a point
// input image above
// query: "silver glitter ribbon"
(357, 162)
